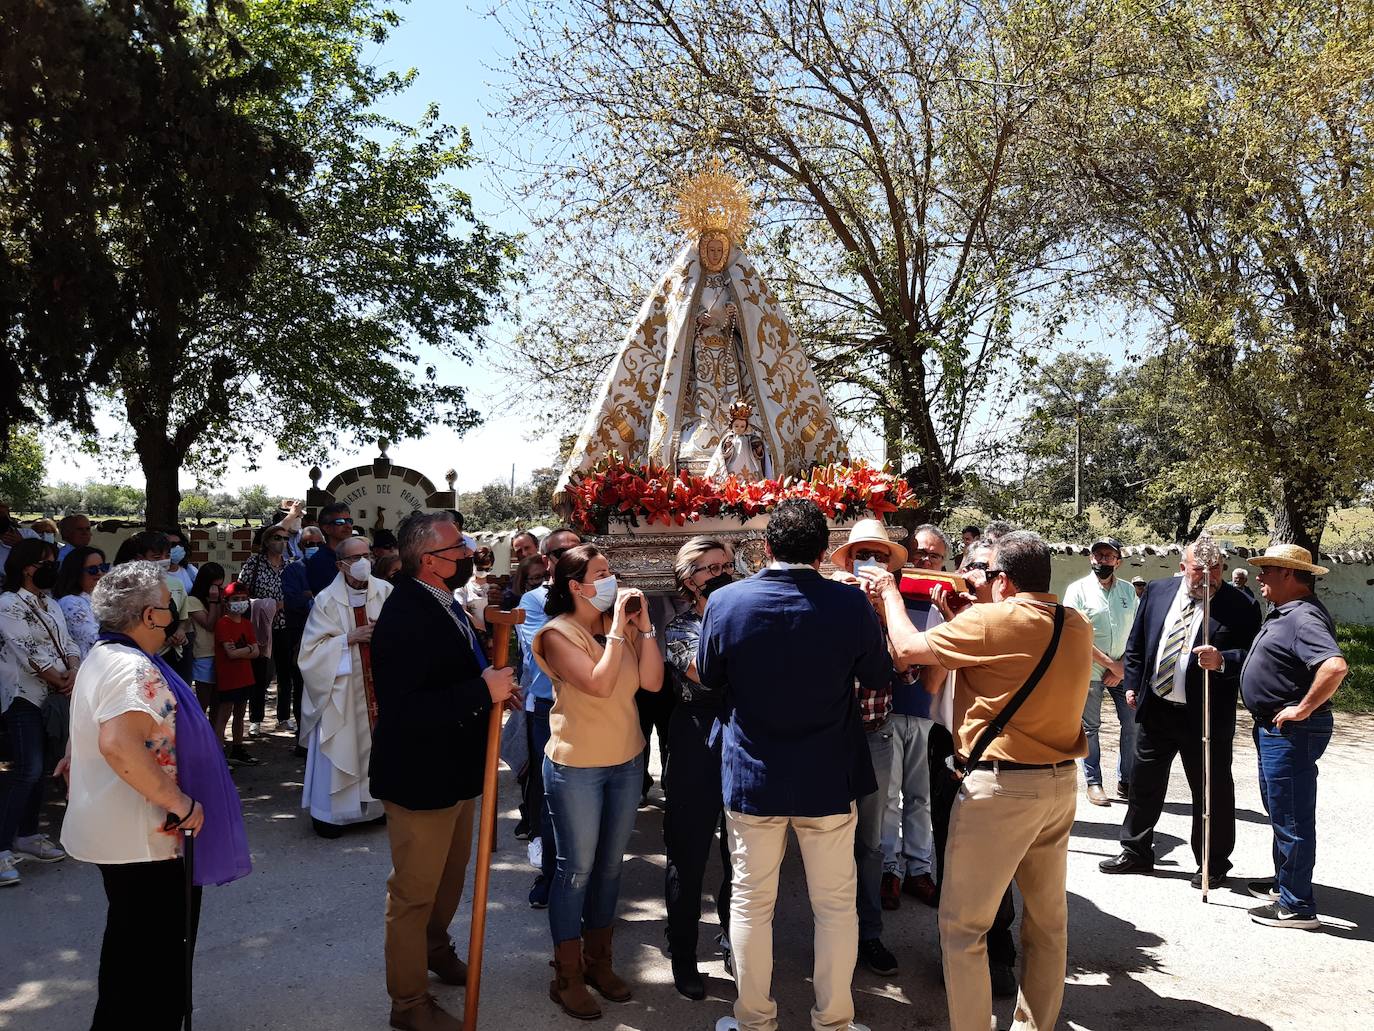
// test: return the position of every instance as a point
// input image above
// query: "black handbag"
(959, 770)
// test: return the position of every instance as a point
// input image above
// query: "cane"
(501, 622)
(1205, 553)
(188, 862)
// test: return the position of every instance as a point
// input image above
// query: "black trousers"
(1165, 731)
(939, 747)
(655, 709)
(145, 936)
(286, 645)
(692, 816)
(257, 694)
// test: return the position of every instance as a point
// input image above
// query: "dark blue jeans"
(536, 805)
(24, 796)
(1288, 788)
(593, 813)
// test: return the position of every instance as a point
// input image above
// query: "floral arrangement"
(627, 492)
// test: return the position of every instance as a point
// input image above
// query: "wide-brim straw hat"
(870, 531)
(1289, 556)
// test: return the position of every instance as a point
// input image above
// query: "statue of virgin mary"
(710, 335)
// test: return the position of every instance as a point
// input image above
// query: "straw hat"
(1289, 556)
(870, 531)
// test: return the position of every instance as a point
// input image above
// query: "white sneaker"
(8, 874)
(252, 730)
(535, 851)
(37, 846)
(291, 724)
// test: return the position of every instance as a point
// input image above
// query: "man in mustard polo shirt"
(1015, 807)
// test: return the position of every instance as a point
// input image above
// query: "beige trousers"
(757, 844)
(429, 859)
(1007, 824)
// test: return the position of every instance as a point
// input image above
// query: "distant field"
(1357, 693)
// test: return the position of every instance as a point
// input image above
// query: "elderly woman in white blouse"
(37, 656)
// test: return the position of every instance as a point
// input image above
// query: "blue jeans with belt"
(1288, 788)
(24, 796)
(593, 812)
(868, 835)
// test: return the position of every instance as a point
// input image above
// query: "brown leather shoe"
(920, 886)
(428, 1016)
(1097, 796)
(596, 950)
(448, 968)
(890, 891)
(568, 988)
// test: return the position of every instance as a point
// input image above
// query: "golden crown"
(714, 200)
(741, 409)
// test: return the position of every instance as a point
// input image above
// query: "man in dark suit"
(785, 647)
(434, 690)
(1165, 660)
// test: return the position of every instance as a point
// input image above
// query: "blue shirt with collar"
(785, 646)
(534, 682)
(1295, 639)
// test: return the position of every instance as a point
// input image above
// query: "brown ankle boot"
(596, 946)
(568, 988)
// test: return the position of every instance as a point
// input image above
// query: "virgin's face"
(714, 250)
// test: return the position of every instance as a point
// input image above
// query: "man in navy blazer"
(785, 646)
(1164, 661)
(434, 691)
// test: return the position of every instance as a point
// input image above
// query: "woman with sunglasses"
(80, 571)
(598, 648)
(261, 574)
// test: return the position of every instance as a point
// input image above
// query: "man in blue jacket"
(786, 646)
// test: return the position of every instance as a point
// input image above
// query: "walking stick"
(188, 862)
(486, 833)
(1205, 553)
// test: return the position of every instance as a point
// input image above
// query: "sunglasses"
(557, 553)
(341, 521)
(973, 566)
(103, 567)
(995, 572)
(275, 540)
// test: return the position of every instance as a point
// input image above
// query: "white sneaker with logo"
(535, 851)
(8, 873)
(37, 846)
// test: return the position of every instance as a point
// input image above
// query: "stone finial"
(382, 445)
(451, 477)
(315, 475)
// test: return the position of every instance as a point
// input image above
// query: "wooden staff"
(1205, 553)
(486, 832)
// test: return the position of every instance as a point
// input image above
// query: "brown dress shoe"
(428, 1016)
(447, 967)
(920, 886)
(568, 988)
(596, 950)
(890, 891)
(1097, 796)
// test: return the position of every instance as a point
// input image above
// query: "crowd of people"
(924, 745)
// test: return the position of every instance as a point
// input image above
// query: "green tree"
(63, 498)
(134, 189)
(898, 152)
(194, 506)
(254, 502)
(21, 472)
(386, 272)
(1225, 156)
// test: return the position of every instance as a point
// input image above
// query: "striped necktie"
(1163, 683)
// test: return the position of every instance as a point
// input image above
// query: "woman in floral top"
(81, 570)
(261, 574)
(38, 656)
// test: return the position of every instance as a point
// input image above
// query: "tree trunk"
(1297, 518)
(162, 471)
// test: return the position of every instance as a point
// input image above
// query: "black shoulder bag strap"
(994, 729)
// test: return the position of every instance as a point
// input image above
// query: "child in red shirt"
(236, 646)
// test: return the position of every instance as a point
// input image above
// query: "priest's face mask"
(715, 249)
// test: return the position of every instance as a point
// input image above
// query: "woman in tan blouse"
(598, 648)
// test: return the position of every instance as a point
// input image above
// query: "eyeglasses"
(557, 553)
(974, 567)
(864, 554)
(921, 554)
(103, 567)
(275, 540)
(460, 546)
(341, 521)
(715, 568)
(350, 559)
(995, 572)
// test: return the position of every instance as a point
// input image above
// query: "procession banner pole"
(501, 624)
(1205, 553)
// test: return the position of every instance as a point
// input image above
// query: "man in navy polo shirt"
(786, 647)
(1293, 669)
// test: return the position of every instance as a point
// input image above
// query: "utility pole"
(1078, 460)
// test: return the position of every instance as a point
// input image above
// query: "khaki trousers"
(429, 858)
(757, 844)
(1007, 824)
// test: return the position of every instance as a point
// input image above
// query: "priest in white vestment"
(335, 721)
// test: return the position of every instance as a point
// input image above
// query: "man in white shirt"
(1109, 603)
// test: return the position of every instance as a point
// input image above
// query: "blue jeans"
(536, 804)
(593, 812)
(1092, 722)
(1288, 789)
(868, 835)
(24, 796)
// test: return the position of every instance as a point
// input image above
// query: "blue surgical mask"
(51, 538)
(868, 563)
(606, 589)
(178, 555)
(310, 550)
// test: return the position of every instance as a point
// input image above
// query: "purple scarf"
(221, 853)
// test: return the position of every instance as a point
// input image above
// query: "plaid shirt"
(874, 706)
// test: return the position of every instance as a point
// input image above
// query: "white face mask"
(605, 594)
(361, 569)
(238, 608)
(868, 563)
(164, 564)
